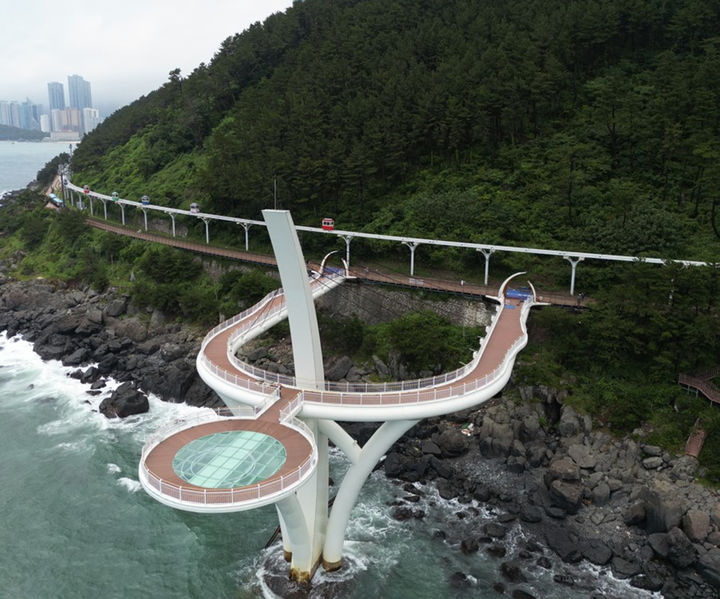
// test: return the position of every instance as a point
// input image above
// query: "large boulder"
(338, 369)
(116, 308)
(566, 495)
(582, 456)
(126, 400)
(79, 356)
(596, 551)
(709, 566)
(662, 512)
(696, 525)
(452, 442)
(131, 328)
(681, 551)
(563, 542)
(564, 469)
(569, 424)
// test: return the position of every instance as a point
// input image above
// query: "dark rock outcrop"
(125, 401)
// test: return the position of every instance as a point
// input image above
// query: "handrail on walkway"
(257, 491)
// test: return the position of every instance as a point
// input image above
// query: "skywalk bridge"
(272, 447)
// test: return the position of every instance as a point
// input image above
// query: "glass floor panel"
(229, 459)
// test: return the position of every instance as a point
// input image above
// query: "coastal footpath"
(617, 503)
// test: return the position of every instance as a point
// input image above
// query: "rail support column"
(104, 207)
(145, 215)
(573, 264)
(91, 206)
(246, 226)
(487, 253)
(347, 495)
(348, 239)
(172, 218)
(207, 229)
(412, 245)
(122, 213)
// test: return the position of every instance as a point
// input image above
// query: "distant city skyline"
(125, 49)
(61, 120)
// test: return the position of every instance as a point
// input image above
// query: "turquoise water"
(21, 161)
(76, 523)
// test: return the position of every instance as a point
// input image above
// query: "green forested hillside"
(586, 124)
(580, 125)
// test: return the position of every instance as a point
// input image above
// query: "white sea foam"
(113, 468)
(77, 410)
(80, 446)
(130, 484)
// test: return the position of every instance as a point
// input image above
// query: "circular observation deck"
(227, 464)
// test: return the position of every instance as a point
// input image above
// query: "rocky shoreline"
(619, 504)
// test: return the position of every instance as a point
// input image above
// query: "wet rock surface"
(103, 334)
(577, 495)
(583, 497)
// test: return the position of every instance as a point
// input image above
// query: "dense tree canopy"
(590, 123)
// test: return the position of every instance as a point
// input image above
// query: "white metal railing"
(226, 324)
(263, 387)
(347, 387)
(262, 490)
(399, 398)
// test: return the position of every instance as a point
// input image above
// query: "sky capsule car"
(114, 196)
(86, 189)
(328, 224)
(145, 200)
(194, 208)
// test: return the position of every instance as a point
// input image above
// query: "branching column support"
(412, 245)
(104, 208)
(381, 441)
(122, 213)
(172, 218)
(573, 264)
(145, 215)
(487, 253)
(91, 206)
(348, 239)
(207, 229)
(246, 226)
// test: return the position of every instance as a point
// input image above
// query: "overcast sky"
(124, 49)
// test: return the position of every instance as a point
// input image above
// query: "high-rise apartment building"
(79, 92)
(56, 96)
(90, 119)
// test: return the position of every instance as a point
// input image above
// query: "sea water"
(21, 161)
(76, 523)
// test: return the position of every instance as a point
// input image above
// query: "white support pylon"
(304, 514)
(381, 441)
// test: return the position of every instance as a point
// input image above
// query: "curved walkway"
(274, 405)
